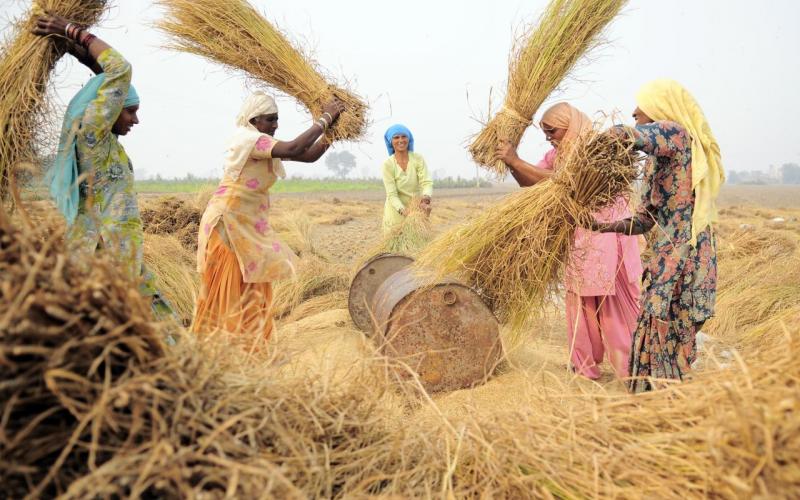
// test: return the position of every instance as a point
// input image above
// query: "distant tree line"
(788, 173)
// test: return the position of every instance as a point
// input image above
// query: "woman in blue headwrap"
(91, 179)
(405, 176)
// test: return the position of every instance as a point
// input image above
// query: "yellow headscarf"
(669, 100)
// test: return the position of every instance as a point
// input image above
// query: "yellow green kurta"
(401, 186)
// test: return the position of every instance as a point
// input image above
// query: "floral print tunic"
(108, 212)
(681, 278)
(240, 211)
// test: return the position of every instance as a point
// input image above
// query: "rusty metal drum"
(366, 283)
(444, 332)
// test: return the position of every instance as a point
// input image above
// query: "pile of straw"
(175, 276)
(27, 61)
(566, 30)
(514, 253)
(234, 34)
(174, 217)
(94, 405)
(759, 274)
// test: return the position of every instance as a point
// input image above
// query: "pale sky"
(432, 65)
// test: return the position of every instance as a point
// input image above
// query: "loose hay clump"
(566, 30)
(234, 34)
(514, 253)
(171, 216)
(176, 278)
(411, 235)
(316, 276)
(25, 68)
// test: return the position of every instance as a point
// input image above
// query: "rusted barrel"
(444, 332)
(366, 283)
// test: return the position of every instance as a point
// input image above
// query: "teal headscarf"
(63, 174)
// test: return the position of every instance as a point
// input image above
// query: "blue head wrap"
(394, 130)
(63, 174)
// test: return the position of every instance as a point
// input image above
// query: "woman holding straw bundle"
(602, 280)
(91, 179)
(405, 178)
(239, 255)
(680, 190)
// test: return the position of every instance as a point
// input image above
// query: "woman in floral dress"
(91, 179)
(239, 255)
(677, 208)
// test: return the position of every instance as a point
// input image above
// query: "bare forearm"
(313, 153)
(526, 174)
(295, 149)
(631, 226)
(81, 54)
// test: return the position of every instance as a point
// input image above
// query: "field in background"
(295, 185)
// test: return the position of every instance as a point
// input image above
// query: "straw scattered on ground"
(234, 34)
(539, 63)
(94, 405)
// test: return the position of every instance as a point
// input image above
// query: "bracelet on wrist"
(330, 117)
(323, 123)
(85, 38)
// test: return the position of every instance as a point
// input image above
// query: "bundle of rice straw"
(567, 29)
(514, 253)
(234, 34)
(27, 61)
(410, 236)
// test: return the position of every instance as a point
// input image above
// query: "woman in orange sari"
(239, 255)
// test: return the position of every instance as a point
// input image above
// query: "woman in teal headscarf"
(91, 179)
(405, 176)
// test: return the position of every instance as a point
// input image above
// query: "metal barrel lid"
(367, 281)
(443, 331)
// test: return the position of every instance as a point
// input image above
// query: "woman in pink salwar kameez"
(602, 278)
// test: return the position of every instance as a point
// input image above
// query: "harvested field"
(321, 415)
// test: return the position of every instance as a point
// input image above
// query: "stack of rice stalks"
(234, 34)
(27, 61)
(174, 217)
(514, 253)
(565, 32)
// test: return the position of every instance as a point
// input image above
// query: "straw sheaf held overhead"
(26, 127)
(234, 34)
(566, 31)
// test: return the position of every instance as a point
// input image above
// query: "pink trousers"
(600, 324)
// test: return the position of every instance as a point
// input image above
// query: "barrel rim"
(351, 302)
